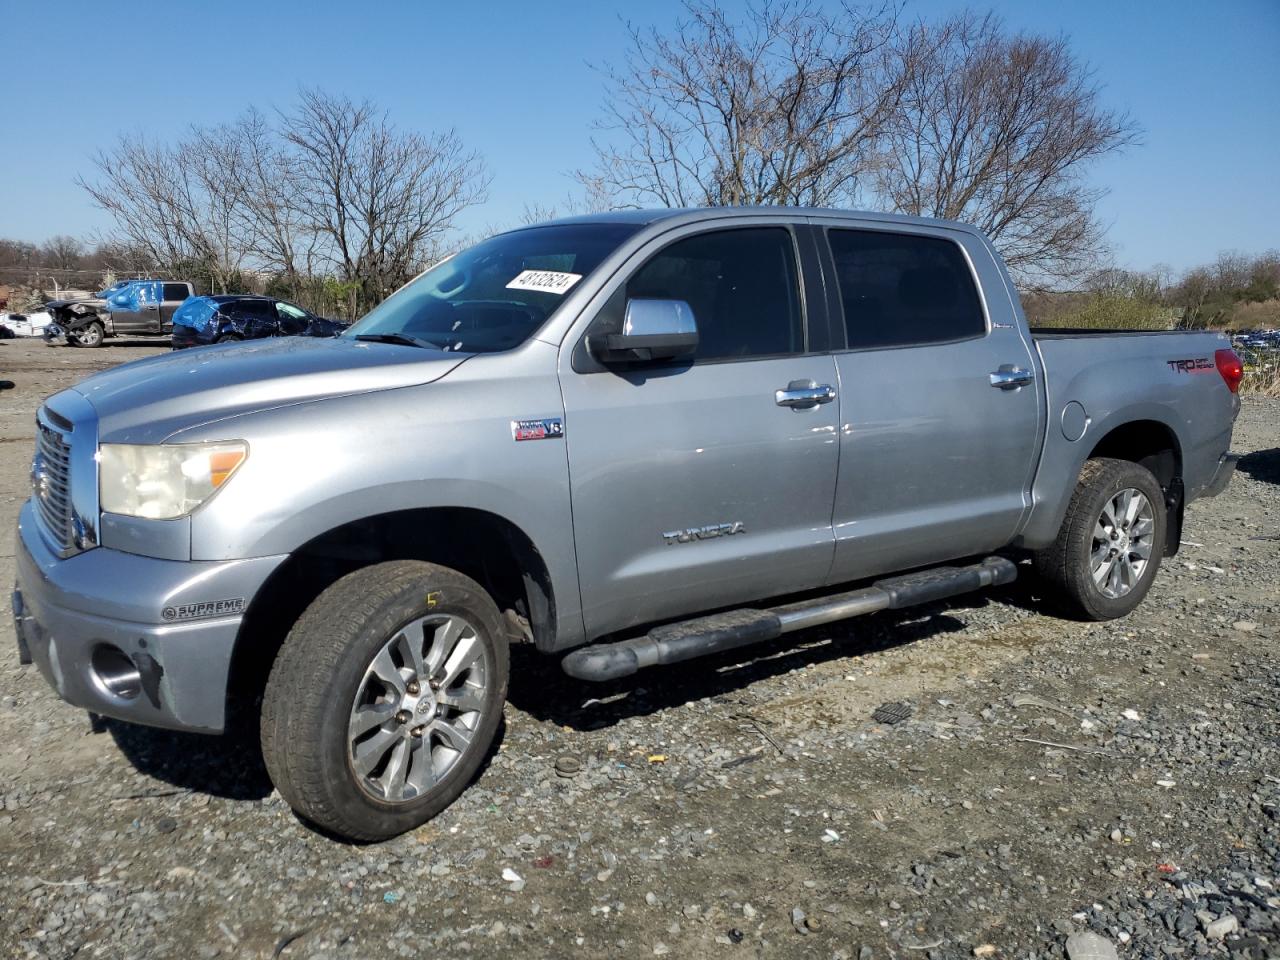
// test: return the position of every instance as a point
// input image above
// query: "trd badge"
(547, 428)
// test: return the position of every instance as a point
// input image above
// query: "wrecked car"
(27, 324)
(135, 308)
(223, 319)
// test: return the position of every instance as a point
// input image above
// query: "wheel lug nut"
(412, 687)
(403, 716)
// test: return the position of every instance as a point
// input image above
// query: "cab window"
(743, 287)
(899, 289)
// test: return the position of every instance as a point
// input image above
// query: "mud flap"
(1174, 502)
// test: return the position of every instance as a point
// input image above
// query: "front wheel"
(385, 698)
(1109, 546)
(90, 335)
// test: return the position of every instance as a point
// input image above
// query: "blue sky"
(1202, 78)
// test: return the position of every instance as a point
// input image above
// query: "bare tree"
(999, 131)
(783, 105)
(140, 185)
(383, 199)
(17, 254)
(177, 203)
(333, 188)
(270, 210)
(62, 252)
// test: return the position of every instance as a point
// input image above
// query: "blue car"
(219, 319)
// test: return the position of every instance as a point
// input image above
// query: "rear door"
(260, 318)
(174, 294)
(692, 485)
(939, 410)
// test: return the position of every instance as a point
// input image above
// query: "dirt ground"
(1053, 777)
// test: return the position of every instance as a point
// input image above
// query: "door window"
(742, 286)
(289, 312)
(292, 319)
(258, 309)
(901, 289)
(176, 291)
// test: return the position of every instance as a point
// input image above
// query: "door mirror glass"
(652, 330)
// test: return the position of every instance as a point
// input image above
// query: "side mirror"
(652, 330)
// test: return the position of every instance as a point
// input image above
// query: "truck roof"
(694, 214)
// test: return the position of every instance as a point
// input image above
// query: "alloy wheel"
(417, 707)
(1123, 538)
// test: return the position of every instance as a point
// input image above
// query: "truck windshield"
(493, 296)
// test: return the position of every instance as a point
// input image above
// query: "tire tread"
(315, 647)
(1059, 564)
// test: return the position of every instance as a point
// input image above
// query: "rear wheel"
(1109, 546)
(385, 698)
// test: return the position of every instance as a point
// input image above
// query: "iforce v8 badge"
(548, 428)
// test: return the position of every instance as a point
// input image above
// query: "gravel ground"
(1054, 779)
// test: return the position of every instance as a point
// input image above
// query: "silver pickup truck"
(628, 439)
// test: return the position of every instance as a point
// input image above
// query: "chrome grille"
(51, 486)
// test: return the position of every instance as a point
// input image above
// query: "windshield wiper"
(408, 339)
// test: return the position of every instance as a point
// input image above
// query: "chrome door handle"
(802, 394)
(1010, 377)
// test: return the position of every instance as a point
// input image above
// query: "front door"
(706, 484)
(136, 308)
(936, 456)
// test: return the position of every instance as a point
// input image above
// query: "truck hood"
(90, 301)
(149, 400)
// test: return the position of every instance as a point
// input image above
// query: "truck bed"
(1165, 380)
(1068, 333)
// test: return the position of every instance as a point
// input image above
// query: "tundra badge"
(704, 533)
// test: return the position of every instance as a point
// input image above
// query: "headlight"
(163, 481)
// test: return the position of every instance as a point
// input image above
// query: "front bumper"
(177, 621)
(1222, 476)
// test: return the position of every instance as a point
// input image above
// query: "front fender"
(316, 466)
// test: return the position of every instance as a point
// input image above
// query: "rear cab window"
(904, 289)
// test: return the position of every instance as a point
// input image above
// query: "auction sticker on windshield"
(546, 281)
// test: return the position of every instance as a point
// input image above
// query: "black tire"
(320, 670)
(1066, 565)
(229, 338)
(90, 335)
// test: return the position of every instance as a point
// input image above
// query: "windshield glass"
(495, 295)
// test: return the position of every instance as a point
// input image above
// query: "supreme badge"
(199, 611)
(548, 428)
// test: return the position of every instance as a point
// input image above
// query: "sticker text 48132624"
(544, 281)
